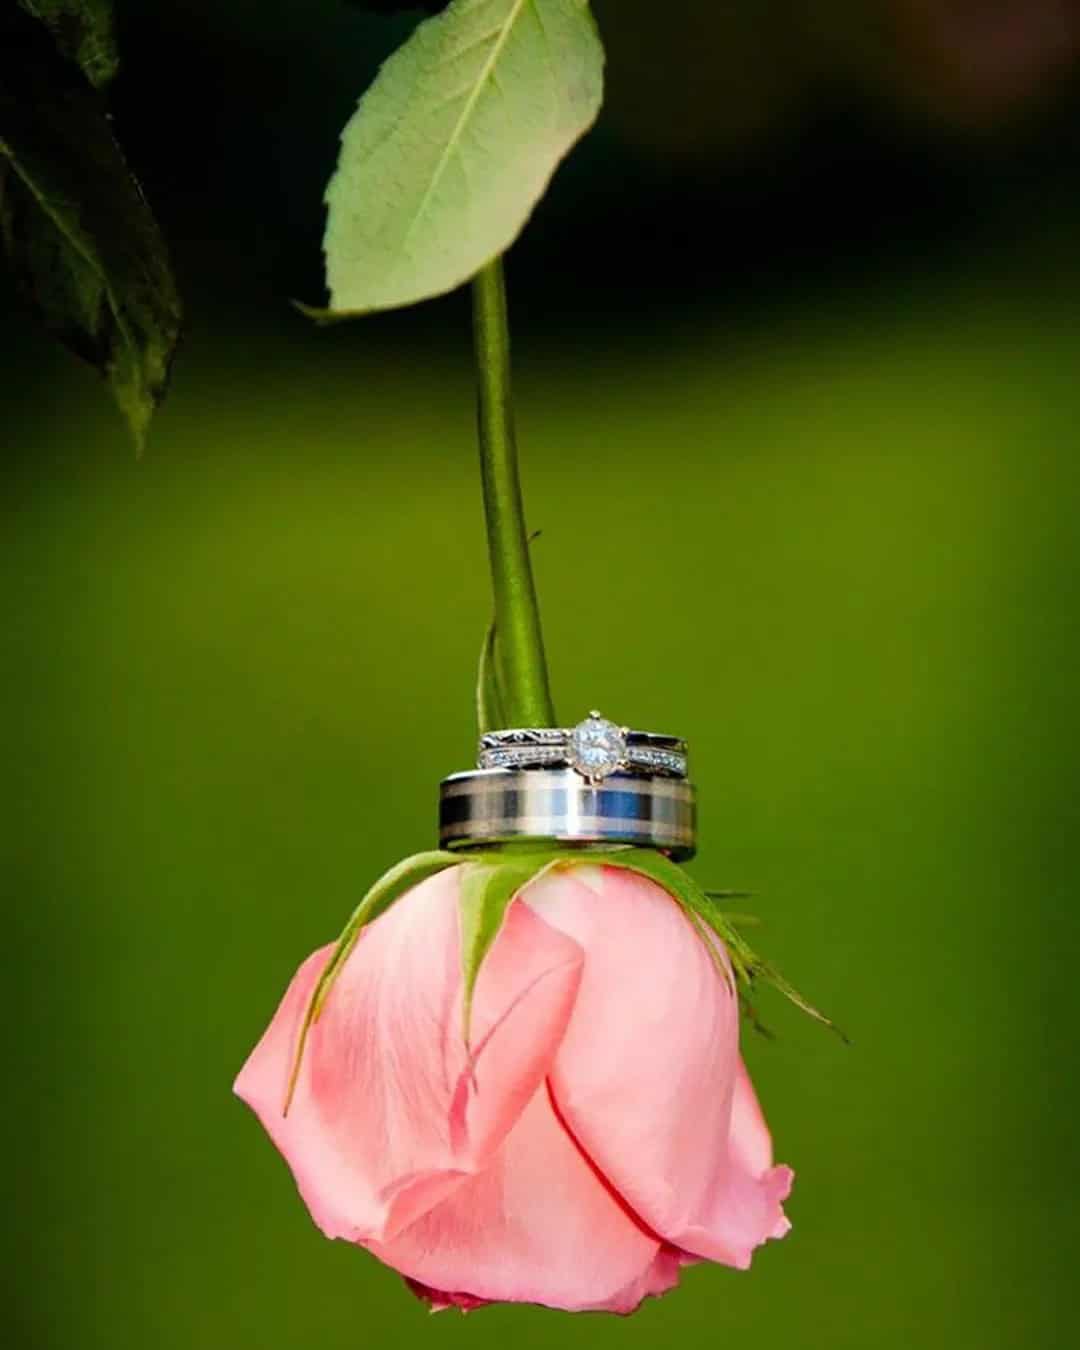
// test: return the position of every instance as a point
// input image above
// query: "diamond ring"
(595, 749)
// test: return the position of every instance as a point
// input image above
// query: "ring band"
(487, 806)
(595, 748)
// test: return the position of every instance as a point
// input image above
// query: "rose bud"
(596, 1131)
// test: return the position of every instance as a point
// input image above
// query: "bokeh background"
(797, 340)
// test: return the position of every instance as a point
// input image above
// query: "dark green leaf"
(402, 877)
(80, 238)
(83, 31)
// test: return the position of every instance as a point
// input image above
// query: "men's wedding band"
(489, 806)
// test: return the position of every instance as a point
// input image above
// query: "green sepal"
(488, 884)
(703, 912)
(402, 877)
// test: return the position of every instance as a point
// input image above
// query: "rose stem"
(519, 644)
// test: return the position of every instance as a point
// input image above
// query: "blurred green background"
(797, 363)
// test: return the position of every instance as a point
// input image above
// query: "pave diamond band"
(595, 749)
(668, 762)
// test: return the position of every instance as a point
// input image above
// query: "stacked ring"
(595, 783)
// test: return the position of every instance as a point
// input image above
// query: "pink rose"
(603, 1133)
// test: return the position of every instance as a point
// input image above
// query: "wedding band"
(595, 749)
(488, 806)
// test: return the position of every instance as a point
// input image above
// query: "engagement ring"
(595, 749)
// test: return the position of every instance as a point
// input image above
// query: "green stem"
(520, 663)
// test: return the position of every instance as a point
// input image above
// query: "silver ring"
(595, 749)
(488, 806)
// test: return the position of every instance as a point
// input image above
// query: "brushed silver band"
(486, 806)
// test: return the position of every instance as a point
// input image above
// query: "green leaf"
(453, 145)
(489, 697)
(402, 877)
(83, 31)
(79, 235)
(488, 885)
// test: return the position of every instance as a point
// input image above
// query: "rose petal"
(658, 1279)
(389, 1115)
(437, 1301)
(661, 1277)
(645, 1077)
(537, 1226)
(760, 1188)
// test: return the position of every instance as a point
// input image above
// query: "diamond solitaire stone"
(597, 747)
